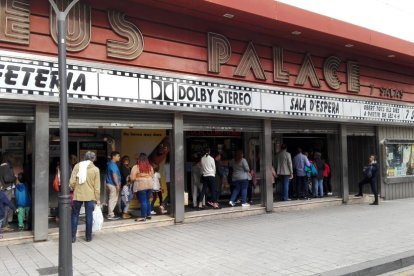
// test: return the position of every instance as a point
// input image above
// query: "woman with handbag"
(141, 176)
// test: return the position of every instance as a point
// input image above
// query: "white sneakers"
(231, 203)
(153, 212)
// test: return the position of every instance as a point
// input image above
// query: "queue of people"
(208, 176)
(142, 180)
(309, 178)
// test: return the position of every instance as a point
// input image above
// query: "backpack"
(307, 170)
(314, 171)
(7, 174)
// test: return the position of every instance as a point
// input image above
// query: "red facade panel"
(178, 43)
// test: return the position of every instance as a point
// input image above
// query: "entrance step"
(365, 199)
(225, 213)
(121, 225)
(296, 205)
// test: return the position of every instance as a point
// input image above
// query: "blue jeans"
(285, 182)
(317, 187)
(240, 185)
(144, 199)
(89, 207)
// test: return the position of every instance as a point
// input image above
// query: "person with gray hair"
(85, 183)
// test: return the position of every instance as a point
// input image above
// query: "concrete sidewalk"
(346, 239)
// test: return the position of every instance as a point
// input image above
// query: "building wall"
(177, 42)
(405, 188)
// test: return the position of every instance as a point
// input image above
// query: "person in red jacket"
(327, 179)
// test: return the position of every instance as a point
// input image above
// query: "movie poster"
(155, 143)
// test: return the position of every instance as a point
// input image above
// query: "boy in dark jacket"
(4, 201)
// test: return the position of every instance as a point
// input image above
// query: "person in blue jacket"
(23, 202)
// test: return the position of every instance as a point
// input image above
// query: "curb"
(375, 267)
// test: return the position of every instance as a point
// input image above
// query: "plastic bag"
(97, 219)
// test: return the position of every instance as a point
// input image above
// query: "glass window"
(399, 159)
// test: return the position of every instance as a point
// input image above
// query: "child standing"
(156, 190)
(126, 197)
(23, 202)
(4, 201)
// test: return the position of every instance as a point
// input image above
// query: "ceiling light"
(228, 15)
(349, 45)
(391, 56)
(296, 33)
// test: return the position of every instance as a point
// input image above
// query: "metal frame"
(267, 153)
(343, 145)
(178, 174)
(41, 173)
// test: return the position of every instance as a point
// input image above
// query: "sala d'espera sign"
(17, 12)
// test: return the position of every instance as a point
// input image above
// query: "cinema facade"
(171, 78)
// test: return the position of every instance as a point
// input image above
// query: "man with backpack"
(7, 181)
(300, 161)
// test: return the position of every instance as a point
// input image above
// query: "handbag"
(143, 184)
(56, 181)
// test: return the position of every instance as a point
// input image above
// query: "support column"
(380, 151)
(267, 153)
(343, 142)
(41, 174)
(178, 168)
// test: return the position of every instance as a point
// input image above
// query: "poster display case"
(399, 158)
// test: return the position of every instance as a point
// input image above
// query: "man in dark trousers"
(4, 202)
(370, 176)
(300, 161)
(284, 169)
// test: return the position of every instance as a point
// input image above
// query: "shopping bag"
(97, 219)
(56, 181)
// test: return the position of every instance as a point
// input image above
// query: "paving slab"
(355, 239)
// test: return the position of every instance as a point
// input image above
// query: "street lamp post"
(65, 236)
